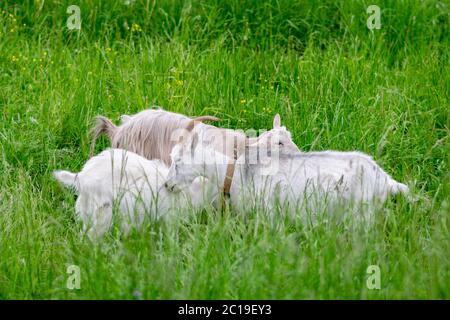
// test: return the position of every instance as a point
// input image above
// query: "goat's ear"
(276, 121)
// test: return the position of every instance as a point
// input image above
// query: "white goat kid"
(289, 177)
(133, 183)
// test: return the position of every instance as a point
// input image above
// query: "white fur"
(133, 183)
(298, 179)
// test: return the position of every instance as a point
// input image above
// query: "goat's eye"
(280, 143)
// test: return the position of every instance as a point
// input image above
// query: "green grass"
(336, 84)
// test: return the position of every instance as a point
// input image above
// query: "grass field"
(336, 84)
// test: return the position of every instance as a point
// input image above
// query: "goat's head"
(279, 139)
(190, 158)
(265, 151)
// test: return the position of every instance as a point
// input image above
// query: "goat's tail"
(102, 126)
(397, 187)
(66, 178)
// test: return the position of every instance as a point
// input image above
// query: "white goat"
(133, 183)
(300, 180)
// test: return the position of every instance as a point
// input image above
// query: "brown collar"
(230, 171)
(228, 179)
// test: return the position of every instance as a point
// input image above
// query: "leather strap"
(230, 171)
(228, 179)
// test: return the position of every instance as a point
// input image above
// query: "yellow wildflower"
(135, 28)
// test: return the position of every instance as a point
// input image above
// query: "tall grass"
(336, 84)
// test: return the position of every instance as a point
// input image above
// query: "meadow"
(335, 83)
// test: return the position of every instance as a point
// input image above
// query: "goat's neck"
(217, 171)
